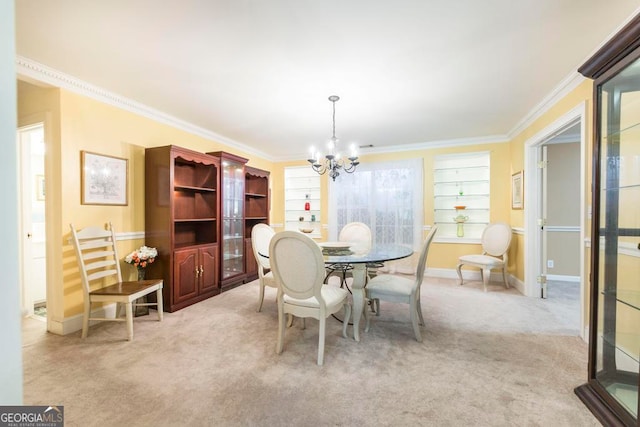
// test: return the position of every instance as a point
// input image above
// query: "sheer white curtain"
(387, 196)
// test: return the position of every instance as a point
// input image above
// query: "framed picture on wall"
(103, 179)
(517, 190)
(40, 187)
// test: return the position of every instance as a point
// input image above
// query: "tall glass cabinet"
(232, 197)
(611, 392)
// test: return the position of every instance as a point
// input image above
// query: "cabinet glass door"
(617, 239)
(232, 219)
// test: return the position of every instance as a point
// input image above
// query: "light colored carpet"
(488, 359)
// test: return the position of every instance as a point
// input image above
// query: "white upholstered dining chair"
(398, 289)
(298, 267)
(496, 238)
(261, 235)
(358, 234)
(102, 279)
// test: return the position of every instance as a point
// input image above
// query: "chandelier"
(332, 162)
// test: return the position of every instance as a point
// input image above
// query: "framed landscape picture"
(103, 179)
(517, 191)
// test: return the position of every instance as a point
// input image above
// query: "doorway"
(31, 151)
(547, 265)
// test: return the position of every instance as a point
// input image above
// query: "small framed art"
(40, 187)
(103, 179)
(517, 190)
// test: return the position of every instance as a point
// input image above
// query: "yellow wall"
(443, 255)
(583, 93)
(76, 123)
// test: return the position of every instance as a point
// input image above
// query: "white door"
(32, 217)
(543, 222)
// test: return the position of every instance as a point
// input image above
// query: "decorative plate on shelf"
(459, 207)
(306, 230)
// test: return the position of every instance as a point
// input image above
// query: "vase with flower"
(141, 258)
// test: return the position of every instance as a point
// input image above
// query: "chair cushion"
(482, 260)
(388, 284)
(331, 294)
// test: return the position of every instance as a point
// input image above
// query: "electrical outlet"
(549, 263)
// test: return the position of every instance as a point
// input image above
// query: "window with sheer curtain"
(387, 196)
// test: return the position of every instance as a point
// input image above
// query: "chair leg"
(118, 309)
(281, 325)
(504, 276)
(459, 270)
(365, 311)
(376, 301)
(128, 309)
(85, 319)
(486, 275)
(159, 304)
(419, 308)
(260, 298)
(414, 319)
(347, 316)
(321, 340)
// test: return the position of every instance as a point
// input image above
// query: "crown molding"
(26, 67)
(566, 86)
(29, 68)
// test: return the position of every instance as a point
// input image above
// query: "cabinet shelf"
(622, 187)
(462, 168)
(193, 189)
(629, 128)
(456, 196)
(630, 298)
(256, 195)
(462, 181)
(185, 220)
(611, 340)
(465, 223)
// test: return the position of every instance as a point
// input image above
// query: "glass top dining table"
(358, 258)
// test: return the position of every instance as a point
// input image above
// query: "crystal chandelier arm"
(332, 161)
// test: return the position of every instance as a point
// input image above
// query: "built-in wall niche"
(461, 195)
(302, 200)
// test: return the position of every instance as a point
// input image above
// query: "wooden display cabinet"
(611, 391)
(231, 224)
(181, 222)
(257, 203)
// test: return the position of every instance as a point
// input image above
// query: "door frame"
(55, 302)
(24, 211)
(533, 202)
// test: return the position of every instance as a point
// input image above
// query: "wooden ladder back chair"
(102, 279)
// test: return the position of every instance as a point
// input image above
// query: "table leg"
(357, 288)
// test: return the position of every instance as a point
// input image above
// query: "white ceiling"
(259, 72)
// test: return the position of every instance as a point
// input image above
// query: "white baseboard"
(447, 273)
(74, 323)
